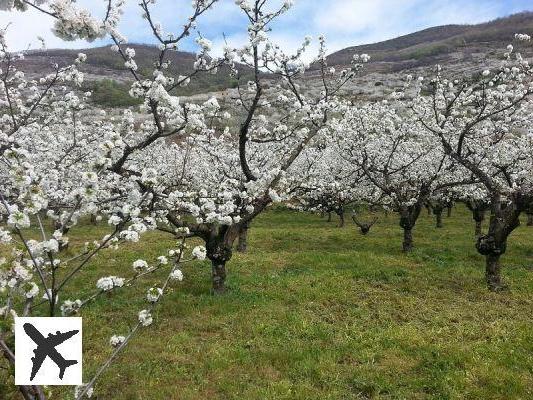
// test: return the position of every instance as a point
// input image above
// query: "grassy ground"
(317, 312)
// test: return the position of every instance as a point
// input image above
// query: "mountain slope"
(461, 47)
(103, 63)
(439, 43)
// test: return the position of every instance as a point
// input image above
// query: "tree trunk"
(341, 218)
(408, 217)
(450, 208)
(329, 217)
(437, 211)
(479, 216)
(407, 240)
(94, 221)
(218, 276)
(242, 244)
(478, 228)
(439, 219)
(503, 221)
(530, 220)
(219, 247)
(493, 272)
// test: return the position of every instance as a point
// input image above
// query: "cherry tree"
(326, 199)
(483, 126)
(326, 189)
(443, 199)
(399, 160)
(54, 168)
(238, 171)
(332, 185)
(61, 163)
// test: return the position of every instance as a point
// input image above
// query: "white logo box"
(52, 341)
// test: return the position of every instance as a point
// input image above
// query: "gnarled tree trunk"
(242, 244)
(493, 272)
(407, 240)
(503, 221)
(449, 207)
(437, 211)
(340, 213)
(530, 220)
(478, 215)
(408, 217)
(479, 226)
(439, 220)
(218, 276)
(219, 245)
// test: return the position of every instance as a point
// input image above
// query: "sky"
(343, 22)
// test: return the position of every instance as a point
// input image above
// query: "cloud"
(24, 28)
(361, 21)
(348, 16)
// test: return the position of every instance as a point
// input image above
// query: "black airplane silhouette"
(46, 347)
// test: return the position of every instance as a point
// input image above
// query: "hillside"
(107, 77)
(462, 48)
(440, 44)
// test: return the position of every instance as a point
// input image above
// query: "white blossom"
(176, 275)
(116, 341)
(199, 253)
(145, 318)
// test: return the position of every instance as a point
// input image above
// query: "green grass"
(318, 312)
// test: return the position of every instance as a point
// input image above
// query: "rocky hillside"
(442, 44)
(463, 48)
(109, 80)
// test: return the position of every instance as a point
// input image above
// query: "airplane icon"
(46, 348)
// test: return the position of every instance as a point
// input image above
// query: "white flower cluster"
(523, 37)
(145, 318)
(109, 283)
(70, 307)
(176, 275)
(199, 253)
(140, 266)
(116, 341)
(80, 388)
(154, 294)
(74, 22)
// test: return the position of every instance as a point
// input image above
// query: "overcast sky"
(343, 22)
